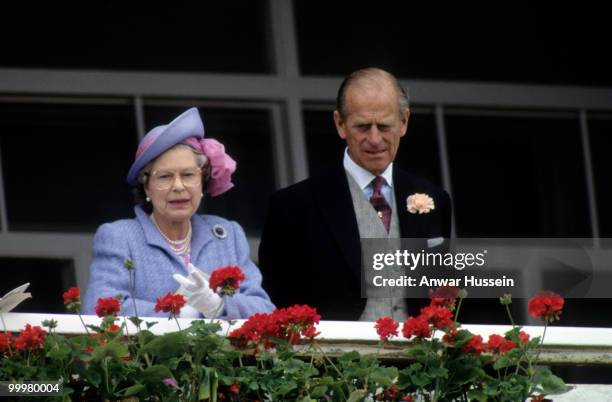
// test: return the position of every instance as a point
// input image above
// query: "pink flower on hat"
(420, 203)
(221, 164)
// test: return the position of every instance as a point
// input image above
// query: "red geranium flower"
(72, 295)
(251, 332)
(226, 278)
(474, 345)
(449, 337)
(6, 339)
(391, 393)
(386, 328)
(499, 344)
(408, 398)
(546, 305)
(30, 338)
(444, 296)
(439, 317)
(107, 306)
(170, 303)
(416, 326)
(523, 336)
(290, 324)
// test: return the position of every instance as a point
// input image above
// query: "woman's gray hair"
(201, 160)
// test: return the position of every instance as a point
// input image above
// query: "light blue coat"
(155, 263)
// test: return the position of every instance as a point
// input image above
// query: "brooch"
(219, 231)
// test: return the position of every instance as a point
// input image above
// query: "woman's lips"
(179, 203)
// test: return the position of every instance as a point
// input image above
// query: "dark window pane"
(517, 176)
(418, 151)
(196, 36)
(600, 131)
(48, 278)
(324, 147)
(65, 165)
(246, 134)
(465, 42)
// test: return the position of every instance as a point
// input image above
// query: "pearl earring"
(148, 199)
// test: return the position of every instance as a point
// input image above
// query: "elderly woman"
(172, 248)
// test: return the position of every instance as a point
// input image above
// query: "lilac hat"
(186, 129)
(162, 138)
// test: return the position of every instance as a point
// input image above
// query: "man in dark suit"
(310, 250)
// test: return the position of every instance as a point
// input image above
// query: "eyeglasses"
(164, 179)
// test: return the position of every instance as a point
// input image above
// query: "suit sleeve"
(108, 276)
(251, 297)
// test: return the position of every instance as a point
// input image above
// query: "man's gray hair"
(372, 74)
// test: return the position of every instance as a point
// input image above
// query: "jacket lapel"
(202, 235)
(333, 197)
(410, 227)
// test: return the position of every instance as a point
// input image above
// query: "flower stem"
(458, 308)
(78, 310)
(131, 284)
(538, 354)
(177, 322)
(510, 315)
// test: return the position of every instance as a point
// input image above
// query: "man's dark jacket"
(310, 251)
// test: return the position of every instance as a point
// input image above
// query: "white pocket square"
(436, 241)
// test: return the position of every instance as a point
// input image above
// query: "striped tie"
(378, 201)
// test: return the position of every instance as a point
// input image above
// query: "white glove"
(199, 295)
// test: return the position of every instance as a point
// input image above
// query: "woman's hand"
(199, 295)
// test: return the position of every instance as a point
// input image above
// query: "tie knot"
(377, 184)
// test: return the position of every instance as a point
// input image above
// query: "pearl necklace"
(181, 246)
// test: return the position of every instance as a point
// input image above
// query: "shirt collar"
(361, 176)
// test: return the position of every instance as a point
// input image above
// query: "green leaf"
(501, 362)
(477, 395)
(114, 350)
(318, 391)
(437, 372)
(204, 391)
(253, 386)
(287, 387)
(60, 353)
(155, 375)
(349, 357)
(133, 390)
(150, 324)
(168, 345)
(136, 321)
(551, 384)
(356, 396)
(385, 376)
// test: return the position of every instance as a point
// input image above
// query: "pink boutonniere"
(420, 203)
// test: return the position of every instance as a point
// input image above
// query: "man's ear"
(404, 122)
(339, 121)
